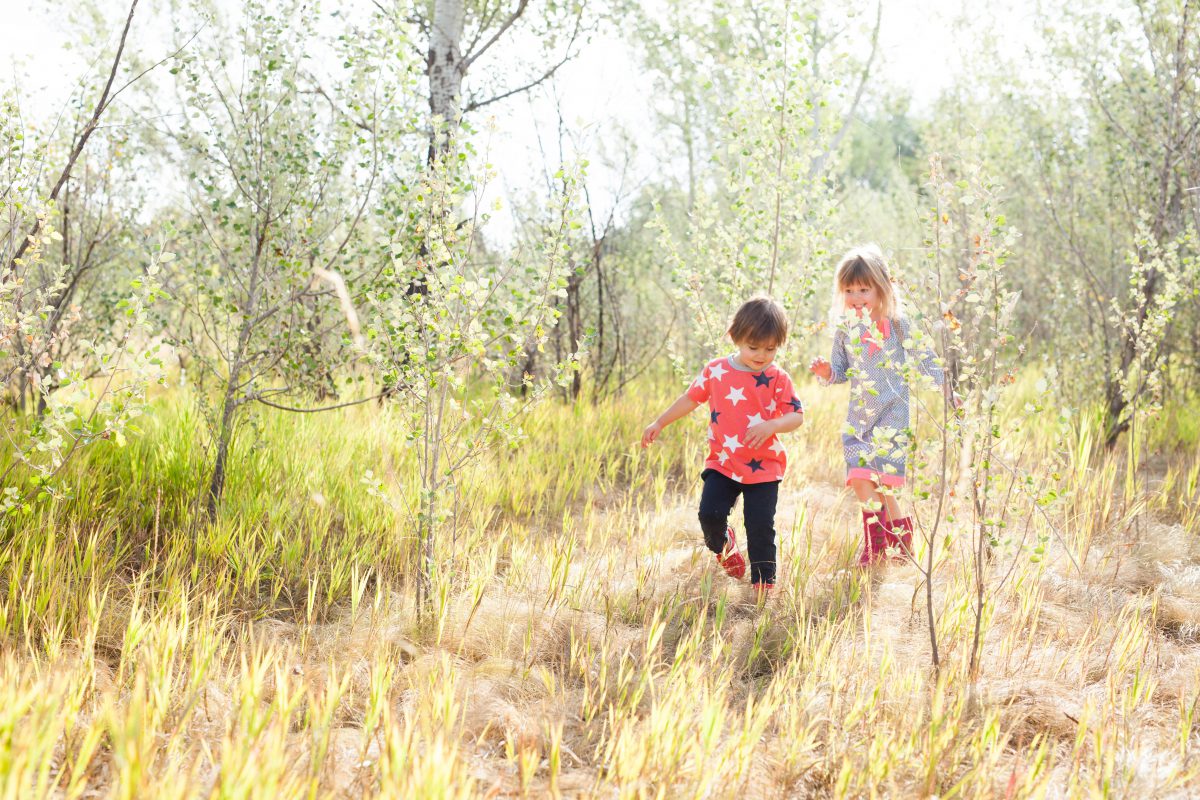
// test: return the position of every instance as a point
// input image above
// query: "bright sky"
(922, 44)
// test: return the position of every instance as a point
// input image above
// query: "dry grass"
(588, 650)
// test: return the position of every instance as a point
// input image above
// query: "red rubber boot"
(900, 536)
(730, 559)
(874, 539)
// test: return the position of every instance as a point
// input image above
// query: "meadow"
(487, 240)
(580, 641)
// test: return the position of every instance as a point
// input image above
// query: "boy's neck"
(737, 363)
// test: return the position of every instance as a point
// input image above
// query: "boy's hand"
(821, 368)
(757, 435)
(651, 433)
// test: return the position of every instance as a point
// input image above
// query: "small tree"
(96, 393)
(280, 177)
(599, 283)
(452, 349)
(50, 183)
(1117, 179)
(1002, 484)
(86, 389)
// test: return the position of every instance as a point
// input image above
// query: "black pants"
(758, 508)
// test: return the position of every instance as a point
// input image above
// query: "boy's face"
(860, 298)
(756, 355)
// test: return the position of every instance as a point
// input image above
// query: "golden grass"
(582, 643)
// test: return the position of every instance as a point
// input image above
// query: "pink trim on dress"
(875, 476)
(884, 329)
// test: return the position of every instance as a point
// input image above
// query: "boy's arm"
(789, 421)
(680, 408)
(757, 435)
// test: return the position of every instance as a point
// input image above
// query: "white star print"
(716, 371)
(700, 381)
(737, 477)
(754, 419)
(736, 395)
(778, 447)
(722, 457)
(732, 444)
(771, 407)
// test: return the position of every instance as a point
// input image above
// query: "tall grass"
(583, 643)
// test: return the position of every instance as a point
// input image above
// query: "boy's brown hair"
(759, 321)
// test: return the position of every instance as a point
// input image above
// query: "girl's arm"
(834, 371)
(839, 361)
(680, 408)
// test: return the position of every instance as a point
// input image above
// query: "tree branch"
(296, 410)
(469, 58)
(475, 105)
(80, 143)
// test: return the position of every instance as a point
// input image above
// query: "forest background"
(328, 333)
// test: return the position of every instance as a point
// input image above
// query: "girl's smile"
(860, 299)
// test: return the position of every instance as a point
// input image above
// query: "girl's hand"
(651, 433)
(757, 435)
(821, 368)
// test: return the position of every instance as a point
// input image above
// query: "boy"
(750, 402)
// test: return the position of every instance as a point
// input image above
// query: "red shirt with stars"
(737, 399)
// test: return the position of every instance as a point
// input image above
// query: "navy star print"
(761, 379)
(714, 415)
(796, 404)
(754, 464)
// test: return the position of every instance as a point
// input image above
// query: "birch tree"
(466, 36)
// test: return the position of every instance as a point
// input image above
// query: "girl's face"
(860, 298)
(756, 356)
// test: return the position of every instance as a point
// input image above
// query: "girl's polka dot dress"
(877, 424)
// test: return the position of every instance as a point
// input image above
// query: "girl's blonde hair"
(865, 266)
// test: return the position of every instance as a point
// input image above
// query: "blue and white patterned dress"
(876, 435)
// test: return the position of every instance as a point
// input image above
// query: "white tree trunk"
(444, 66)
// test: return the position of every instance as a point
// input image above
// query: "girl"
(868, 350)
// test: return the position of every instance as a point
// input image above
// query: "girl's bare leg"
(872, 499)
(890, 503)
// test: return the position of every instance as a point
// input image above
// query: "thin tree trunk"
(574, 325)
(780, 154)
(229, 407)
(445, 69)
(600, 379)
(216, 484)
